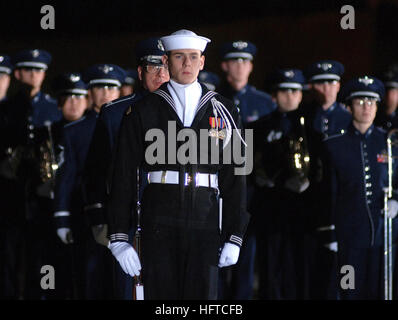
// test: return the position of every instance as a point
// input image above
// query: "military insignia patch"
(383, 157)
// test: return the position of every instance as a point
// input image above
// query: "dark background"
(287, 33)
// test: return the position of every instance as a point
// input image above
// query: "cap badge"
(366, 81)
(74, 78)
(1, 58)
(324, 66)
(160, 45)
(289, 74)
(106, 69)
(35, 53)
(239, 45)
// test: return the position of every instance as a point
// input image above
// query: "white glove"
(332, 246)
(100, 234)
(65, 234)
(297, 184)
(392, 208)
(229, 255)
(127, 257)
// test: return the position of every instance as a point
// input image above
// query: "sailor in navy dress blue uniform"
(181, 237)
(6, 68)
(92, 260)
(356, 173)
(387, 116)
(151, 73)
(280, 141)
(237, 64)
(22, 115)
(325, 117)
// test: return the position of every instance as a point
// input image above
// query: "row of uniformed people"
(28, 201)
(324, 119)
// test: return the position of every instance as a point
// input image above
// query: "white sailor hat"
(184, 39)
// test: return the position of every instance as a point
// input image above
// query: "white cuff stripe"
(61, 214)
(327, 228)
(236, 239)
(119, 236)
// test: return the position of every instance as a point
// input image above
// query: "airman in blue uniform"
(209, 79)
(91, 260)
(152, 73)
(387, 116)
(22, 117)
(325, 117)
(129, 82)
(280, 141)
(356, 173)
(237, 64)
(6, 68)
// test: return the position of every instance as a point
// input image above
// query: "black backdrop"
(287, 33)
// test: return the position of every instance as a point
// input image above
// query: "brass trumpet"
(299, 159)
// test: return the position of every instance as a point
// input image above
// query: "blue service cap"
(390, 79)
(365, 86)
(150, 51)
(288, 79)
(131, 77)
(104, 74)
(324, 70)
(238, 50)
(35, 58)
(209, 79)
(70, 83)
(5, 64)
